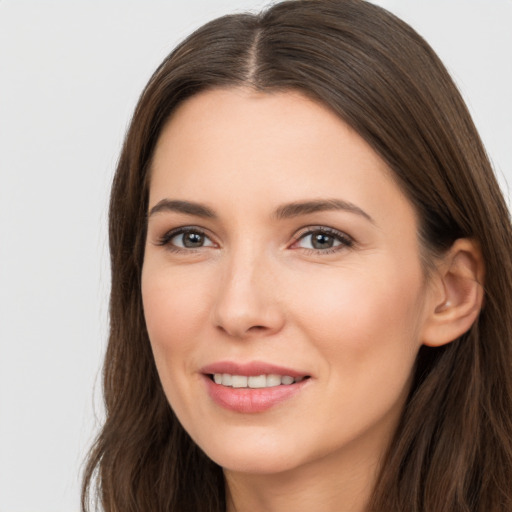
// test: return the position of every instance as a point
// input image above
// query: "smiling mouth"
(254, 381)
(252, 388)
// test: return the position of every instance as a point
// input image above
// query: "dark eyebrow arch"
(285, 211)
(187, 207)
(296, 209)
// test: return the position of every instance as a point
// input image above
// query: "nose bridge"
(246, 300)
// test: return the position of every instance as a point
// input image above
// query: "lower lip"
(251, 400)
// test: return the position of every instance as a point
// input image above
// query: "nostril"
(257, 328)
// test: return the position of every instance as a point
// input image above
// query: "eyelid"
(346, 240)
(166, 238)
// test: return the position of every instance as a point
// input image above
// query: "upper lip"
(251, 369)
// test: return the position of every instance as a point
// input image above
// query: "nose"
(247, 302)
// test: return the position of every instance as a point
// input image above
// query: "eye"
(186, 238)
(323, 239)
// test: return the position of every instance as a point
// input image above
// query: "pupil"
(193, 239)
(322, 241)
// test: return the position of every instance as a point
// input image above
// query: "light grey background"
(70, 74)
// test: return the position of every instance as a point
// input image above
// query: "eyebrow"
(286, 211)
(187, 207)
(299, 208)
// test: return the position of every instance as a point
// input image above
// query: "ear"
(456, 294)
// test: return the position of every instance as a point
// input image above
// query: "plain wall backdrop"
(70, 75)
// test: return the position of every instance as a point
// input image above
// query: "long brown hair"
(452, 451)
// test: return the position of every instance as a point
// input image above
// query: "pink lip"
(247, 400)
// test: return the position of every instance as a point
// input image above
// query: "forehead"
(240, 147)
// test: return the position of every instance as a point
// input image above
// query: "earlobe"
(457, 298)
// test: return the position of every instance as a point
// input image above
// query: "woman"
(302, 222)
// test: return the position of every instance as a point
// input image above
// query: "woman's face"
(282, 285)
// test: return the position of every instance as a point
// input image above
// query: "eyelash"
(345, 241)
(165, 240)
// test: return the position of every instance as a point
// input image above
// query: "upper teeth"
(259, 381)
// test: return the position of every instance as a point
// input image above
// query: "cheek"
(365, 321)
(365, 331)
(175, 309)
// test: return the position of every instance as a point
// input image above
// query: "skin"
(351, 317)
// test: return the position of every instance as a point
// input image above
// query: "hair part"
(452, 451)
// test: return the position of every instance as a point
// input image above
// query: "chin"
(255, 464)
(252, 457)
